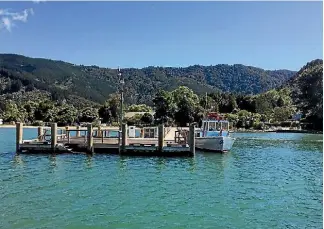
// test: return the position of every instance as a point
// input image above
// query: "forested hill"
(60, 79)
(307, 92)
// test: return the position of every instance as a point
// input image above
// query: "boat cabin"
(214, 125)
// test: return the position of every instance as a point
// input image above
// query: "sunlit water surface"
(268, 180)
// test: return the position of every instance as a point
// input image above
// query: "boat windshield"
(213, 125)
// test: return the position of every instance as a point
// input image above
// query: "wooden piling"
(99, 132)
(68, 134)
(53, 135)
(192, 143)
(19, 134)
(40, 133)
(123, 137)
(90, 138)
(78, 133)
(160, 137)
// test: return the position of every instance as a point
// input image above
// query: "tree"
(164, 107)
(88, 114)
(232, 105)
(209, 105)
(185, 112)
(184, 92)
(310, 100)
(244, 119)
(105, 114)
(246, 103)
(198, 115)
(44, 111)
(139, 108)
(263, 104)
(66, 115)
(281, 114)
(113, 103)
(30, 108)
(11, 112)
(147, 118)
(186, 102)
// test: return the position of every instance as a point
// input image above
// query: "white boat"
(214, 135)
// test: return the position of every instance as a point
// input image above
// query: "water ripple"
(264, 182)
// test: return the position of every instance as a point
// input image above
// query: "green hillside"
(60, 80)
(307, 92)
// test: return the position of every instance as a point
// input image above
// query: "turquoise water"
(268, 180)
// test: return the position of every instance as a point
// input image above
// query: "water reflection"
(160, 163)
(122, 163)
(192, 164)
(17, 160)
(88, 161)
(218, 160)
(52, 159)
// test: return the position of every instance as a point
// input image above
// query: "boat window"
(212, 126)
(218, 126)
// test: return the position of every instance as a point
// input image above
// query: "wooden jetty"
(96, 140)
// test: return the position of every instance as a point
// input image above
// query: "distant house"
(132, 114)
(1, 121)
(297, 116)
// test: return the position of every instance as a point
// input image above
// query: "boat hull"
(215, 144)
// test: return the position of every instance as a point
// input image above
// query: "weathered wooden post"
(40, 133)
(102, 135)
(78, 133)
(99, 132)
(123, 137)
(160, 137)
(19, 135)
(67, 132)
(53, 135)
(90, 138)
(192, 143)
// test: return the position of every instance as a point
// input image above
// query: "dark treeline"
(180, 106)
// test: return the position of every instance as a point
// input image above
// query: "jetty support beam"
(40, 133)
(19, 135)
(90, 138)
(160, 137)
(123, 137)
(99, 132)
(67, 133)
(78, 133)
(53, 135)
(192, 143)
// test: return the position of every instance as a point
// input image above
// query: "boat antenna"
(206, 102)
(121, 91)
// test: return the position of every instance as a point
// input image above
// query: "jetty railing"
(60, 136)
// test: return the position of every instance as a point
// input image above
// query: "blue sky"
(270, 35)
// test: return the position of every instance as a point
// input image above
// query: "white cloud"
(6, 23)
(7, 18)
